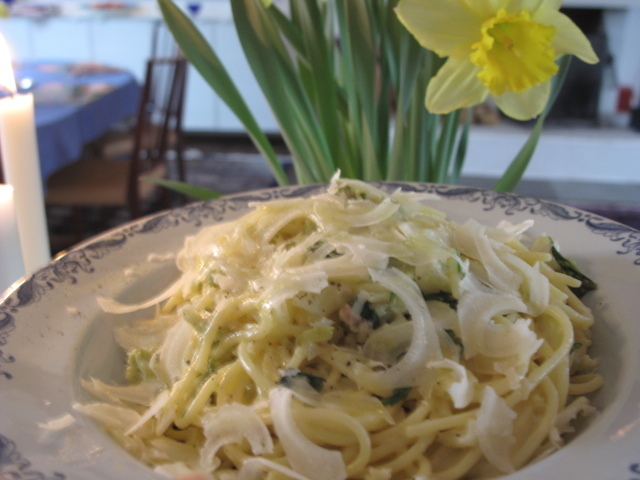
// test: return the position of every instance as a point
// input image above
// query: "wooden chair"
(109, 176)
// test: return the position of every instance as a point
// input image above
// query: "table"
(75, 103)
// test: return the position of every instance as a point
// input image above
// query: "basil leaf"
(398, 395)
(575, 346)
(569, 268)
(291, 377)
(454, 337)
(369, 314)
(444, 297)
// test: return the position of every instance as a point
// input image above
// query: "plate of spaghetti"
(386, 331)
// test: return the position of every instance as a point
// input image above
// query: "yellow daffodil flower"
(503, 48)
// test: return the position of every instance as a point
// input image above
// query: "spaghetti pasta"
(356, 334)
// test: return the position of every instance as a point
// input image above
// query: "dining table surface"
(75, 104)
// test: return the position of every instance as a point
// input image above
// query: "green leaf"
(272, 67)
(199, 193)
(512, 176)
(358, 74)
(444, 297)
(461, 151)
(454, 338)
(575, 346)
(290, 378)
(431, 126)
(398, 146)
(370, 315)
(423, 148)
(317, 54)
(363, 58)
(411, 62)
(415, 120)
(446, 143)
(397, 396)
(287, 28)
(206, 62)
(391, 35)
(569, 268)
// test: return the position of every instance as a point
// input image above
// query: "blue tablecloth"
(75, 104)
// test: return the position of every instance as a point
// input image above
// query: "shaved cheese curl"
(472, 239)
(254, 468)
(482, 335)
(495, 430)
(412, 369)
(304, 456)
(231, 424)
(461, 390)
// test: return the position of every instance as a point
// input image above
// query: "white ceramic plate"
(52, 333)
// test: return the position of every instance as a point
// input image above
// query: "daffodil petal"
(456, 85)
(524, 105)
(439, 25)
(485, 8)
(568, 39)
(552, 4)
(531, 6)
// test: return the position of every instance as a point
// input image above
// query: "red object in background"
(625, 94)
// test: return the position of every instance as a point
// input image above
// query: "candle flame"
(7, 80)
(6, 193)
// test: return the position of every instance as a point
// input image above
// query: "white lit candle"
(21, 166)
(11, 266)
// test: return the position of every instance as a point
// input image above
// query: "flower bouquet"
(346, 79)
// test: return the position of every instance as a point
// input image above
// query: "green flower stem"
(461, 151)
(195, 191)
(412, 147)
(446, 142)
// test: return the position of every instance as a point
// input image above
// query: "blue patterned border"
(13, 466)
(628, 238)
